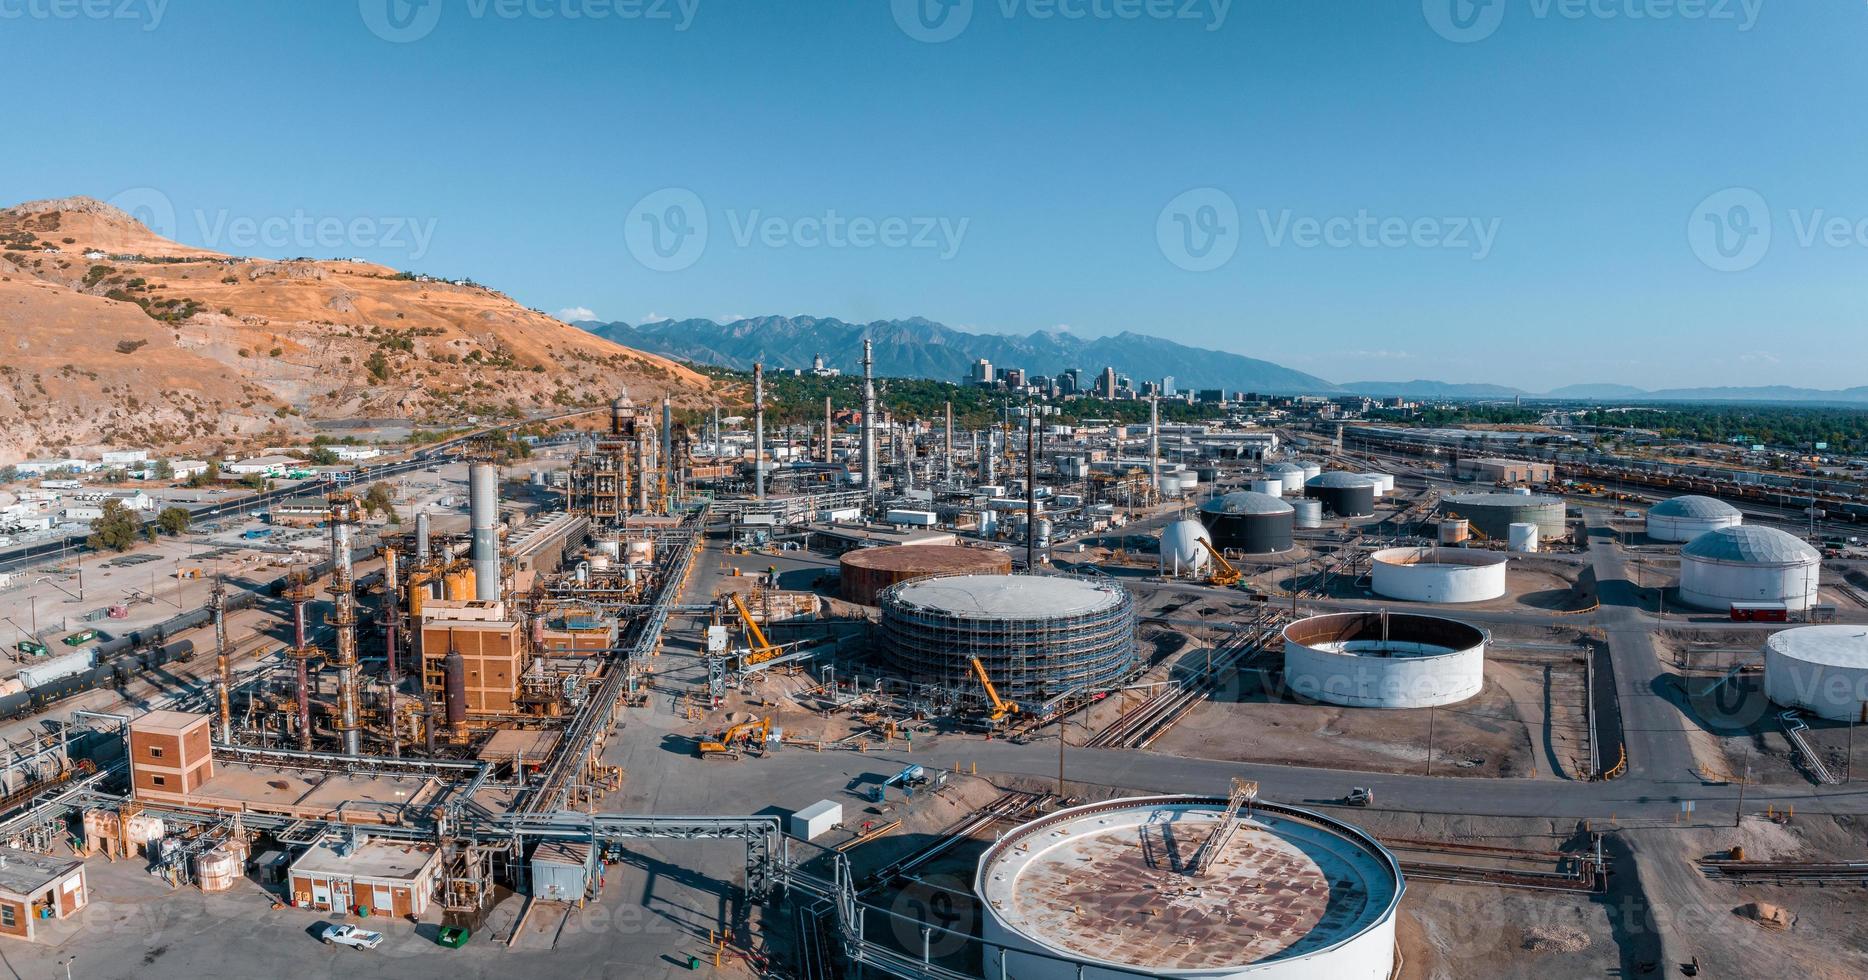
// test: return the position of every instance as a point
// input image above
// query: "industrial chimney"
(483, 504)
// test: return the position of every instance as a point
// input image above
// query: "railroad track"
(1009, 806)
(1787, 872)
(1140, 726)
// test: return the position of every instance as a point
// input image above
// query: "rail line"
(1140, 726)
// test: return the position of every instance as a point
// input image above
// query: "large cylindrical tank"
(1308, 513)
(1289, 475)
(1438, 574)
(1184, 548)
(1343, 494)
(1384, 660)
(1312, 469)
(1269, 486)
(1103, 891)
(1384, 483)
(1253, 523)
(1748, 563)
(460, 584)
(1170, 485)
(1820, 669)
(454, 689)
(1455, 531)
(1492, 514)
(217, 869)
(989, 524)
(1686, 518)
(863, 574)
(483, 510)
(1523, 539)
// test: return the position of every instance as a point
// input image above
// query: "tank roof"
(1493, 499)
(1107, 883)
(1339, 478)
(1697, 507)
(1829, 646)
(1009, 596)
(1751, 545)
(1246, 502)
(932, 559)
(1284, 468)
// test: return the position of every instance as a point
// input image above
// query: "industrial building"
(1343, 494)
(1188, 886)
(1820, 669)
(865, 572)
(1253, 523)
(1504, 471)
(1686, 518)
(1749, 564)
(1449, 575)
(1384, 660)
(1037, 636)
(35, 887)
(387, 877)
(1492, 514)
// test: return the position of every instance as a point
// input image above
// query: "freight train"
(113, 671)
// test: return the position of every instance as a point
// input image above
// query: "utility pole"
(1031, 489)
(1739, 817)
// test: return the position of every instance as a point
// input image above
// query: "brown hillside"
(163, 346)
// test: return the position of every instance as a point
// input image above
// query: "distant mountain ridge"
(921, 348)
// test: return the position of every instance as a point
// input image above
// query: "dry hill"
(113, 336)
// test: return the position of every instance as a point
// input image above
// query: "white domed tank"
(1384, 482)
(1748, 564)
(1312, 469)
(1821, 669)
(1182, 549)
(1686, 518)
(1289, 475)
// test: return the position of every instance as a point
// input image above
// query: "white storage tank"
(1820, 669)
(1289, 475)
(1523, 539)
(1384, 660)
(1170, 485)
(1455, 531)
(1686, 518)
(1438, 574)
(1748, 564)
(1184, 548)
(1269, 486)
(988, 523)
(1309, 512)
(1312, 469)
(1384, 483)
(1102, 891)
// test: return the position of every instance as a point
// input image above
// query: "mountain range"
(921, 348)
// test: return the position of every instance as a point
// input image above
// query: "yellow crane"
(1000, 709)
(1223, 574)
(726, 744)
(759, 649)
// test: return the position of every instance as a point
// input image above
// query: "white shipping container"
(816, 820)
(840, 515)
(912, 518)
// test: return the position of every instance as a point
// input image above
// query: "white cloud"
(1379, 355)
(572, 314)
(1758, 357)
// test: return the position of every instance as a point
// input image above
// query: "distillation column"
(869, 420)
(301, 654)
(218, 598)
(344, 623)
(758, 430)
(483, 502)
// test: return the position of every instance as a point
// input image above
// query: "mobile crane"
(1000, 709)
(1223, 574)
(759, 649)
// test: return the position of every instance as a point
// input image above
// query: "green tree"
(173, 520)
(254, 481)
(381, 500)
(322, 456)
(207, 477)
(161, 469)
(116, 530)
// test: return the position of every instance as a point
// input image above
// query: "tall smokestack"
(827, 439)
(671, 477)
(947, 434)
(219, 600)
(869, 419)
(758, 430)
(988, 463)
(422, 534)
(1031, 489)
(483, 505)
(1154, 443)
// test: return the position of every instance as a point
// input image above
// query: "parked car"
(351, 936)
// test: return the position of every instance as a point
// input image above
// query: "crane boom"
(1226, 576)
(1000, 709)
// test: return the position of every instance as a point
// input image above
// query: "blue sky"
(1532, 193)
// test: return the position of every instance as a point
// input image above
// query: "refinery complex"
(1262, 696)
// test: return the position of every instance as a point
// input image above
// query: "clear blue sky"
(1590, 144)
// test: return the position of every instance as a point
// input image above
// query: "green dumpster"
(453, 937)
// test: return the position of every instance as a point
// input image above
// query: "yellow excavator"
(759, 649)
(726, 744)
(1223, 574)
(1000, 709)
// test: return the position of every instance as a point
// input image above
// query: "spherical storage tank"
(1686, 518)
(1182, 548)
(1255, 523)
(1037, 635)
(1492, 514)
(1821, 669)
(1384, 660)
(1343, 494)
(1748, 564)
(1438, 574)
(864, 573)
(1103, 891)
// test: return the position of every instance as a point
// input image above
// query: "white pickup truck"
(351, 936)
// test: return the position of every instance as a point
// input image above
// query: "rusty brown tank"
(866, 572)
